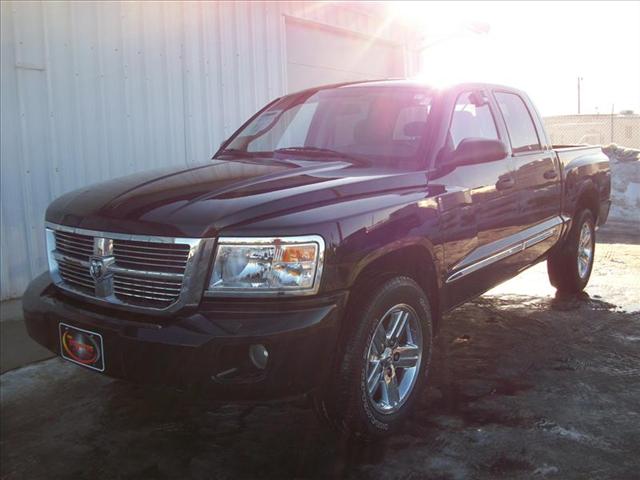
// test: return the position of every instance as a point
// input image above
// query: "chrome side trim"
(262, 241)
(566, 225)
(193, 280)
(511, 250)
(485, 262)
(539, 238)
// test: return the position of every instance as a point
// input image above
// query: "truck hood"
(201, 200)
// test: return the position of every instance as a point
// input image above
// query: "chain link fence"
(619, 134)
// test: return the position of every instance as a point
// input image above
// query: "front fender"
(368, 237)
(422, 248)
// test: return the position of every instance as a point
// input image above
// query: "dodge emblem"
(96, 268)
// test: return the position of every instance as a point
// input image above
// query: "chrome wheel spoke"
(398, 322)
(374, 378)
(408, 356)
(392, 392)
(379, 340)
(585, 250)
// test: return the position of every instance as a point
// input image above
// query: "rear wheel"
(384, 362)
(570, 266)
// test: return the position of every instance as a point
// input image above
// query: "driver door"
(479, 210)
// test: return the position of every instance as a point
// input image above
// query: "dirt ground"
(523, 385)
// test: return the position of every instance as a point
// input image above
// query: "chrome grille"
(77, 276)
(140, 290)
(76, 245)
(72, 246)
(141, 272)
(151, 256)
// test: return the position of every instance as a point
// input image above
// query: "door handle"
(505, 183)
(550, 174)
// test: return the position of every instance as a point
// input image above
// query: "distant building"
(97, 90)
(621, 129)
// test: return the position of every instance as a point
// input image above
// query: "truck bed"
(583, 168)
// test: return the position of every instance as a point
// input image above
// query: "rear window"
(522, 131)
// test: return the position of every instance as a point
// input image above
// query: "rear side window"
(471, 121)
(522, 131)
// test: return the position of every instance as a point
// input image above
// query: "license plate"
(82, 347)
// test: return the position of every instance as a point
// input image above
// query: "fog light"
(259, 356)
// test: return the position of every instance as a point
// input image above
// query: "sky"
(539, 47)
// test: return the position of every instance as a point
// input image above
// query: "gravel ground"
(523, 385)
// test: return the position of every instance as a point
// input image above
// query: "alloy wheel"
(393, 359)
(585, 250)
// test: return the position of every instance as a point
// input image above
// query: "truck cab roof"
(414, 83)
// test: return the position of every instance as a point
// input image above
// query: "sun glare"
(535, 46)
(449, 35)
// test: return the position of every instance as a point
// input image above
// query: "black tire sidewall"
(562, 264)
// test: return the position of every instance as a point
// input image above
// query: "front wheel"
(570, 266)
(383, 364)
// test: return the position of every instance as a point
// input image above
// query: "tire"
(345, 402)
(570, 266)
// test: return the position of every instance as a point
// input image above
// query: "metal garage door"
(317, 55)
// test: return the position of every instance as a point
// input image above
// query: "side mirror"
(472, 151)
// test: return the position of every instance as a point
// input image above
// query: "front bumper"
(208, 348)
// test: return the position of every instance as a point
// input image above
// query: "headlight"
(267, 266)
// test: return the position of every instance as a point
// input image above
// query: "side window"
(471, 121)
(522, 131)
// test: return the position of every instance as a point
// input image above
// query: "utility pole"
(612, 116)
(579, 80)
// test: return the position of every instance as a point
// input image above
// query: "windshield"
(381, 125)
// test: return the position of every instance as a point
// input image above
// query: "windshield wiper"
(244, 156)
(235, 152)
(316, 151)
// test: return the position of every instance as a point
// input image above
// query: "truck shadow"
(498, 365)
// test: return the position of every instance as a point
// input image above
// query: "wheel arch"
(588, 198)
(414, 260)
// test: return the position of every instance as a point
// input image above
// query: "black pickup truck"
(318, 250)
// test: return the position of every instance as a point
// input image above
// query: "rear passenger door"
(537, 176)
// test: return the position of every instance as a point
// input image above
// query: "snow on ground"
(615, 278)
(625, 189)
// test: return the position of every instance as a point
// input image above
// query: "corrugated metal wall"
(93, 90)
